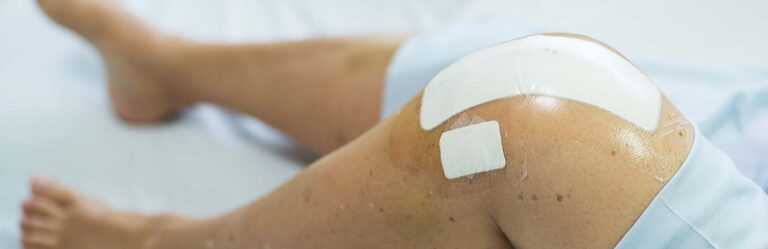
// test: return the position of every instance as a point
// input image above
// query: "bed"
(55, 119)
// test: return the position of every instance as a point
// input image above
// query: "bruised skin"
(576, 176)
(531, 118)
(356, 198)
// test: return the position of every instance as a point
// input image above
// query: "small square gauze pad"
(471, 149)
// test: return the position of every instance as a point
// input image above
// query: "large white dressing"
(551, 65)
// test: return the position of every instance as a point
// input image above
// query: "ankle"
(159, 229)
(178, 59)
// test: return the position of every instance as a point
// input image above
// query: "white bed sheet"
(55, 120)
(729, 104)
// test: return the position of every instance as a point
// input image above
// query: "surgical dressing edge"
(471, 149)
(550, 65)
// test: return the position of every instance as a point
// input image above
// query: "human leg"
(576, 176)
(352, 198)
(387, 190)
(321, 92)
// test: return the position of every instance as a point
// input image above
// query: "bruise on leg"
(532, 128)
(417, 152)
(568, 164)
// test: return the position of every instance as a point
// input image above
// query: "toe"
(34, 224)
(43, 205)
(28, 213)
(53, 190)
(38, 240)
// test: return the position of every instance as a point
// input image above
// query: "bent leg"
(575, 176)
(387, 190)
(321, 92)
(355, 197)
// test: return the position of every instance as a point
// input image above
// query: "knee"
(575, 124)
(539, 138)
(550, 101)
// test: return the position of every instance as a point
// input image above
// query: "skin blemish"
(307, 195)
(381, 210)
(341, 138)
(520, 196)
(451, 219)
(559, 198)
(370, 172)
(356, 62)
(680, 133)
(534, 197)
(613, 153)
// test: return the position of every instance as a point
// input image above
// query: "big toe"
(52, 190)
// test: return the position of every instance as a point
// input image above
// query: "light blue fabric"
(730, 104)
(423, 56)
(707, 204)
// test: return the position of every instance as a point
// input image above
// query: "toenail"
(42, 181)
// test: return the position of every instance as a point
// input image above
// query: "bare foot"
(137, 57)
(58, 218)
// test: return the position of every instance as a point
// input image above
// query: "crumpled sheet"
(730, 106)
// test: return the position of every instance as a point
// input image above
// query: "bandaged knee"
(545, 65)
